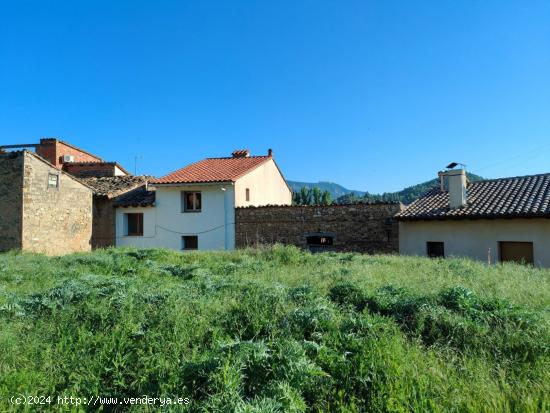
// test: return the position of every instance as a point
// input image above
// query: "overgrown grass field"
(275, 330)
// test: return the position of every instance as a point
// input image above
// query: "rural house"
(194, 207)
(42, 209)
(495, 220)
(106, 180)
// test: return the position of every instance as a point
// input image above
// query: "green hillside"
(406, 196)
(272, 330)
(335, 190)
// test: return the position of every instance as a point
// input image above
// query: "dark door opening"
(521, 252)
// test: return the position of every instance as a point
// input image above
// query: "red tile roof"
(517, 197)
(213, 170)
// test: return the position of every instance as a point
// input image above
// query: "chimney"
(241, 153)
(270, 152)
(454, 181)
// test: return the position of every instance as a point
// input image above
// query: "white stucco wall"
(267, 187)
(473, 238)
(148, 227)
(165, 224)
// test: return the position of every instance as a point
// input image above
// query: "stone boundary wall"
(368, 228)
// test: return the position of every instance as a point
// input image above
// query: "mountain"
(343, 195)
(406, 196)
(335, 190)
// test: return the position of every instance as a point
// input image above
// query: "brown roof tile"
(113, 186)
(213, 170)
(517, 197)
(139, 197)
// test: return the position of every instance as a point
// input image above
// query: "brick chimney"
(241, 153)
(454, 181)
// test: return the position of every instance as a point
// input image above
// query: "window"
(134, 224)
(435, 249)
(190, 242)
(247, 195)
(319, 242)
(191, 201)
(521, 252)
(53, 181)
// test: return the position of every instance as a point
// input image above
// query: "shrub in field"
(347, 294)
(255, 313)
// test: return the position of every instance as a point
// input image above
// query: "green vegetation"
(276, 330)
(311, 196)
(406, 196)
(334, 189)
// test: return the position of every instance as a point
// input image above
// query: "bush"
(347, 294)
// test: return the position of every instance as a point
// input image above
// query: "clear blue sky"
(374, 95)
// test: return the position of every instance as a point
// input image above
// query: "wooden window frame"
(139, 224)
(531, 243)
(184, 201)
(247, 194)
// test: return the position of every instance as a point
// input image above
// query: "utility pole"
(136, 157)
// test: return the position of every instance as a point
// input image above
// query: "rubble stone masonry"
(55, 220)
(367, 228)
(11, 212)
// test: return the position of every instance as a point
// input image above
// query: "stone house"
(194, 207)
(494, 220)
(42, 209)
(106, 190)
(106, 180)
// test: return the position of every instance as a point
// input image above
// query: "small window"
(319, 240)
(53, 181)
(191, 201)
(134, 225)
(247, 195)
(435, 249)
(190, 242)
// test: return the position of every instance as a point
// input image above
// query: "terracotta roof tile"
(523, 196)
(213, 170)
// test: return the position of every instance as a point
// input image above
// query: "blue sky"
(374, 95)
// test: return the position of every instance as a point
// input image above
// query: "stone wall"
(55, 220)
(11, 212)
(366, 228)
(103, 226)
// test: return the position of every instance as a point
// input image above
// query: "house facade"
(106, 180)
(194, 207)
(493, 221)
(42, 209)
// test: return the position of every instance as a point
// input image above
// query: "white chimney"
(455, 181)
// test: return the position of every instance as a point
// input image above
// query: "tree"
(326, 198)
(305, 196)
(316, 196)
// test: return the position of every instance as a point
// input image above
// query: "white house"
(194, 207)
(495, 220)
